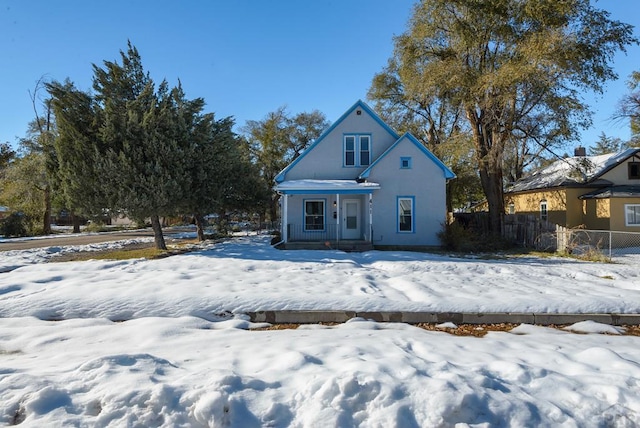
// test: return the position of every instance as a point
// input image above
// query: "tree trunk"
(46, 228)
(492, 187)
(273, 208)
(76, 223)
(489, 146)
(449, 196)
(199, 226)
(157, 233)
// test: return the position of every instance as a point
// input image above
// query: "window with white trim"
(314, 215)
(544, 215)
(357, 150)
(365, 150)
(350, 150)
(405, 214)
(632, 214)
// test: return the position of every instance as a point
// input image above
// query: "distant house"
(594, 192)
(361, 185)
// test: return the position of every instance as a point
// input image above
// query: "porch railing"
(297, 232)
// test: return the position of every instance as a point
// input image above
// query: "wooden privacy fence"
(522, 229)
(529, 231)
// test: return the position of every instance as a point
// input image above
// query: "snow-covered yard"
(177, 362)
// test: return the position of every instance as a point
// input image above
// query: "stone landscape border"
(316, 317)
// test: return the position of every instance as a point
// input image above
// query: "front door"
(350, 219)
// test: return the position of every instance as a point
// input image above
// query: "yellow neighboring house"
(593, 192)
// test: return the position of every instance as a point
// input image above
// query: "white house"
(361, 185)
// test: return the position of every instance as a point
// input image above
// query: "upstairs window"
(365, 153)
(405, 163)
(357, 150)
(634, 170)
(632, 215)
(350, 150)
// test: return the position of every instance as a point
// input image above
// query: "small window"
(364, 150)
(314, 215)
(350, 150)
(511, 208)
(543, 210)
(632, 215)
(405, 214)
(405, 163)
(634, 170)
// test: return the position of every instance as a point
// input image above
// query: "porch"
(323, 214)
(329, 237)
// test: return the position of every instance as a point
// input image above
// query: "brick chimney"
(580, 151)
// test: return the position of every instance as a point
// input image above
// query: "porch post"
(337, 217)
(370, 217)
(285, 209)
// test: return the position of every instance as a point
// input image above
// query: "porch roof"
(621, 191)
(293, 187)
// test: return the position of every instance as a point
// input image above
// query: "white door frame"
(346, 232)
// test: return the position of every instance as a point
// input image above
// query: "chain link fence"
(599, 244)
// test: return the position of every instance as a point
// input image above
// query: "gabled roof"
(359, 104)
(573, 171)
(447, 172)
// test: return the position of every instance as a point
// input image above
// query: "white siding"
(325, 160)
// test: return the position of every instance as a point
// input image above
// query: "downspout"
(338, 220)
(371, 217)
(285, 207)
(282, 229)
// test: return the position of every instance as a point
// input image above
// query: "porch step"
(349, 246)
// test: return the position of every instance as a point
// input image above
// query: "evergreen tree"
(137, 152)
(78, 151)
(605, 145)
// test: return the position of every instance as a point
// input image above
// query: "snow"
(328, 185)
(166, 342)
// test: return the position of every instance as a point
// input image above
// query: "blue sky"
(246, 58)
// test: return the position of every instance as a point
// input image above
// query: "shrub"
(276, 237)
(14, 225)
(455, 237)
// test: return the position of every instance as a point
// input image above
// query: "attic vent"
(358, 112)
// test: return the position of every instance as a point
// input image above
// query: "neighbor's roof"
(577, 170)
(326, 186)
